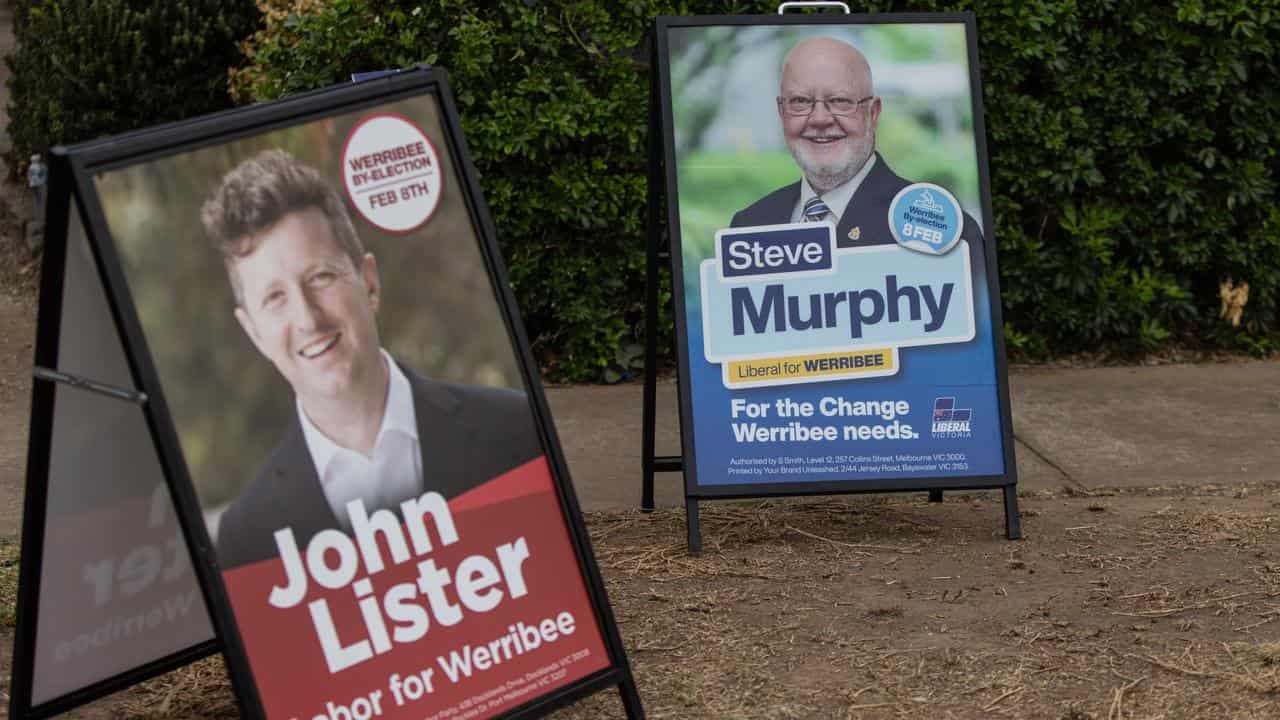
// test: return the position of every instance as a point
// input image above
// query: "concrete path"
(1088, 429)
(1148, 426)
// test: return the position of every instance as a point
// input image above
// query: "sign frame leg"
(692, 525)
(658, 252)
(630, 697)
(653, 252)
(1012, 519)
(648, 426)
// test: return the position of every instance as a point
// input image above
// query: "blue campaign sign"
(837, 307)
(880, 366)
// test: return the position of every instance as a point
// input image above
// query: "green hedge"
(1133, 149)
(86, 68)
(1133, 154)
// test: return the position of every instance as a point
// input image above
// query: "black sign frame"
(73, 169)
(664, 248)
(62, 202)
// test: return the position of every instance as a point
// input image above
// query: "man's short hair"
(260, 192)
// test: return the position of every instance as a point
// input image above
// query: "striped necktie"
(815, 210)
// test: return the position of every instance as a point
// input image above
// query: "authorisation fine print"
(832, 247)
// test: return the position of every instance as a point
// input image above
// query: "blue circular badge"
(926, 218)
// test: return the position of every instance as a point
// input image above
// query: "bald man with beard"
(830, 113)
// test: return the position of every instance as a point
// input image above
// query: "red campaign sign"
(477, 607)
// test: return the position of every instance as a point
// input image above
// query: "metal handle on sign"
(812, 4)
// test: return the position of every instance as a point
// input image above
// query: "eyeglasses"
(803, 105)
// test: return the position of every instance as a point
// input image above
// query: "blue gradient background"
(966, 371)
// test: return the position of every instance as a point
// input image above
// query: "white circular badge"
(392, 173)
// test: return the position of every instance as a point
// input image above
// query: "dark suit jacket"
(468, 434)
(868, 210)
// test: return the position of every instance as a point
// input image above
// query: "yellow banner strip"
(847, 363)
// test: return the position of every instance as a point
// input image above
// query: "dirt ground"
(1160, 603)
(19, 274)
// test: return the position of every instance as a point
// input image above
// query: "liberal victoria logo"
(950, 421)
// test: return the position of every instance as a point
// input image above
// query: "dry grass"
(887, 609)
(200, 690)
(875, 607)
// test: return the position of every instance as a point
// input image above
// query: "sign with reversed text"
(107, 593)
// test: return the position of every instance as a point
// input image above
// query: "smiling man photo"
(365, 427)
(830, 113)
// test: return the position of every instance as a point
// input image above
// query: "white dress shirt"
(837, 198)
(392, 475)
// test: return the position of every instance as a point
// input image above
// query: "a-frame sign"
(829, 231)
(107, 596)
(284, 408)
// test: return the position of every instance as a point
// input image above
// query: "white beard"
(824, 177)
